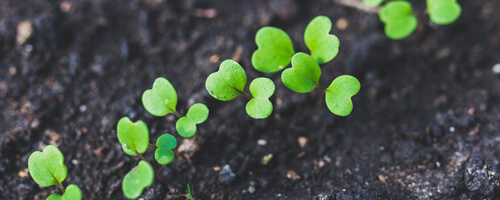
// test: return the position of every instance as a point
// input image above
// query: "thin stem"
(152, 146)
(246, 95)
(162, 180)
(59, 184)
(176, 113)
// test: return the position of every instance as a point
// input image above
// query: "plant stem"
(59, 185)
(152, 146)
(162, 180)
(246, 95)
(176, 113)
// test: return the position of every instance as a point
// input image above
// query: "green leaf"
(54, 197)
(275, 50)
(259, 106)
(323, 46)
(164, 153)
(136, 180)
(189, 192)
(72, 192)
(134, 137)
(399, 19)
(338, 94)
(373, 3)
(227, 83)
(197, 114)
(161, 99)
(47, 167)
(304, 75)
(443, 12)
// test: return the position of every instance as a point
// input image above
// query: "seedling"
(47, 168)
(229, 82)
(189, 193)
(304, 75)
(134, 138)
(162, 100)
(275, 50)
(373, 3)
(399, 19)
(443, 12)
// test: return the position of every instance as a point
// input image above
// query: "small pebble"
(24, 31)
(302, 142)
(23, 173)
(226, 175)
(266, 159)
(496, 68)
(262, 142)
(342, 24)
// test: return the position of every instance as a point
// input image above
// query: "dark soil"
(425, 125)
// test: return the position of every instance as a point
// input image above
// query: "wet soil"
(425, 125)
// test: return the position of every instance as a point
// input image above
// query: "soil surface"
(425, 125)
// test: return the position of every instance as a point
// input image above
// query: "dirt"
(425, 125)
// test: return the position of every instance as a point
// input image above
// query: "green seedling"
(229, 82)
(323, 45)
(162, 100)
(399, 19)
(134, 137)
(47, 168)
(189, 193)
(164, 153)
(275, 50)
(136, 180)
(373, 3)
(338, 94)
(443, 12)
(304, 75)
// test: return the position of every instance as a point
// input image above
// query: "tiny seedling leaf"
(338, 94)
(323, 46)
(259, 106)
(136, 180)
(47, 167)
(443, 12)
(399, 19)
(275, 50)
(161, 99)
(304, 75)
(373, 3)
(134, 137)
(72, 192)
(164, 153)
(54, 197)
(197, 114)
(227, 83)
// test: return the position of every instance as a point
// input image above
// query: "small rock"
(23, 173)
(188, 146)
(226, 175)
(302, 142)
(262, 142)
(292, 175)
(496, 68)
(24, 31)
(266, 159)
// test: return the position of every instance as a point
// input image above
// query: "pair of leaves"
(304, 76)
(164, 153)
(47, 168)
(399, 19)
(229, 82)
(443, 12)
(275, 48)
(162, 100)
(72, 192)
(136, 180)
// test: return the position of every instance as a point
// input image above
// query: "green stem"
(246, 95)
(176, 113)
(152, 146)
(59, 185)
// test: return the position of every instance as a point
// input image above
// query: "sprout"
(338, 94)
(134, 137)
(136, 180)
(229, 83)
(373, 3)
(164, 153)
(275, 50)
(443, 12)
(197, 114)
(162, 100)
(47, 168)
(303, 77)
(399, 19)
(323, 46)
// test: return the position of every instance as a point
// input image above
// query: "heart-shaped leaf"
(72, 192)
(197, 114)
(304, 75)
(338, 94)
(443, 12)
(323, 46)
(259, 106)
(136, 180)
(399, 19)
(47, 167)
(134, 137)
(275, 50)
(373, 3)
(227, 83)
(54, 197)
(164, 153)
(161, 99)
